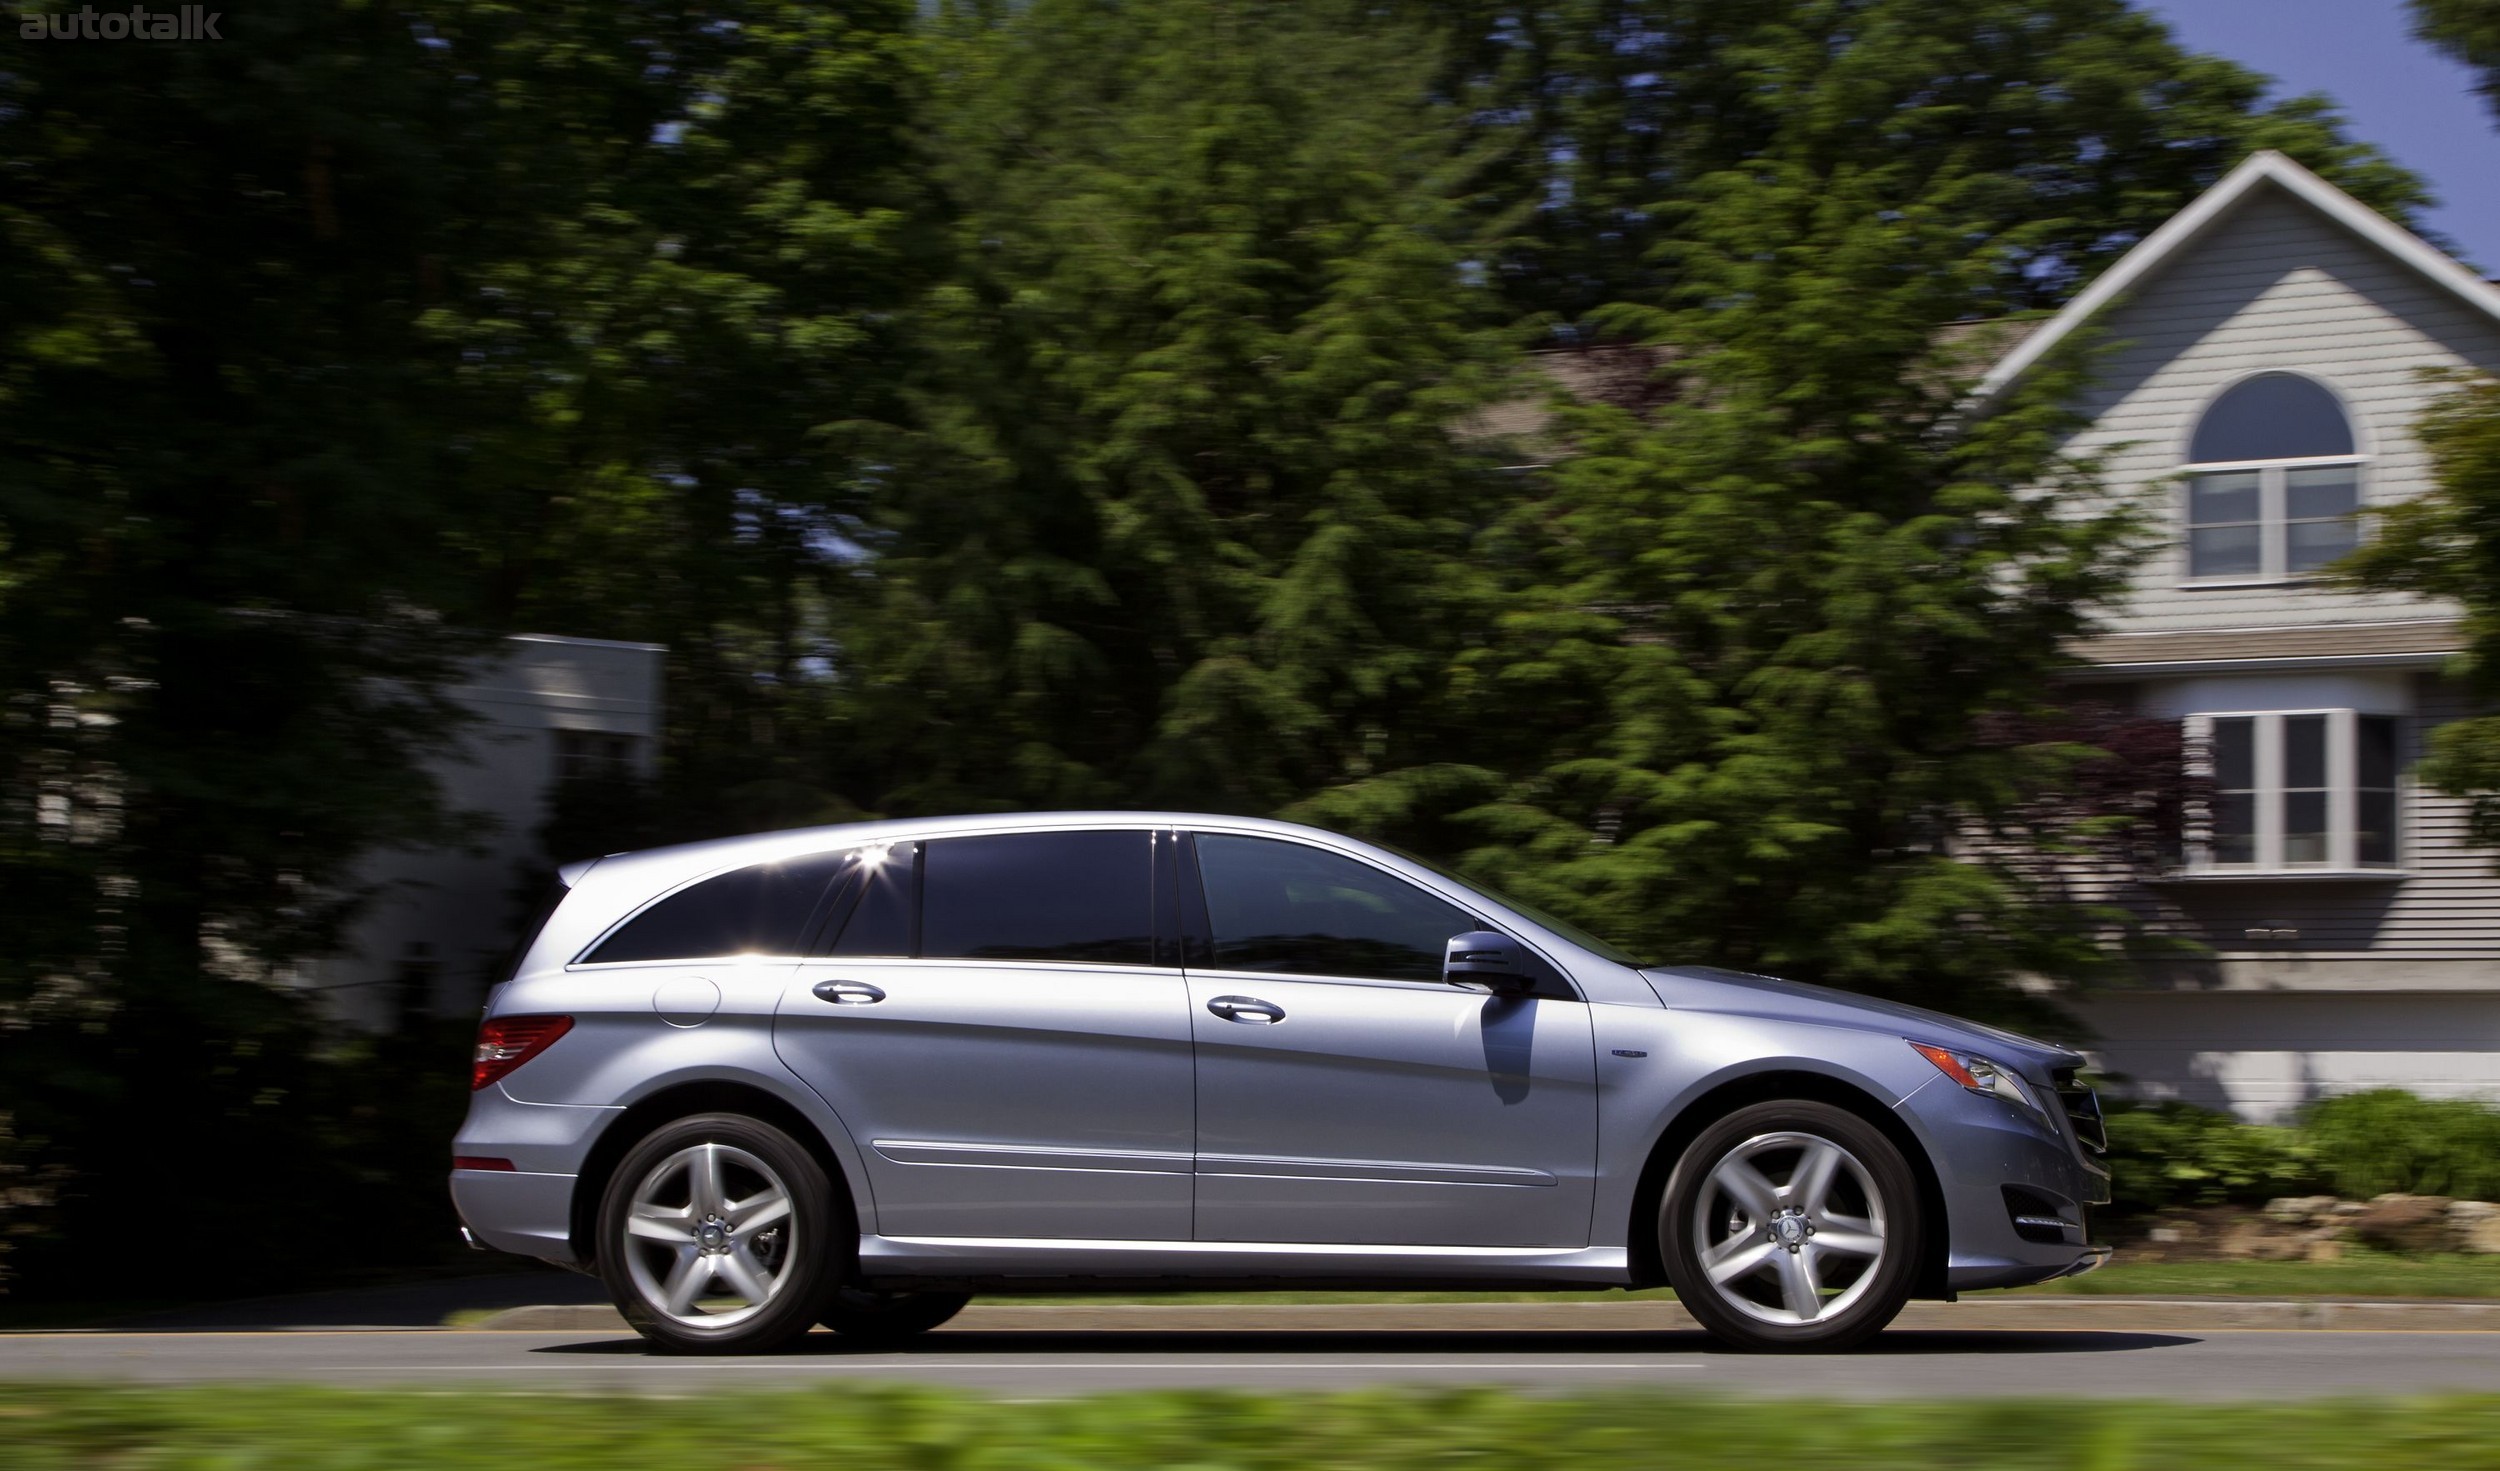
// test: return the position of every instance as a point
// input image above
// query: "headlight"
(1980, 1075)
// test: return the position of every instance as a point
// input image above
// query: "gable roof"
(2190, 225)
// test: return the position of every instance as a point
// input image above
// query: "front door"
(1346, 1094)
(991, 1028)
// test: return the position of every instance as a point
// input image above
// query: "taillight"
(506, 1042)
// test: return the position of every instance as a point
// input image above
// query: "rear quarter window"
(763, 909)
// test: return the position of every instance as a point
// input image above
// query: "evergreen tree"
(1752, 704)
(222, 525)
(2468, 30)
(1189, 516)
(695, 242)
(1607, 117)
(326, 353)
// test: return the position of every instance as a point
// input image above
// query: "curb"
(2035, 1314)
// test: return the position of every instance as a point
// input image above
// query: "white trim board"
(2191, 224)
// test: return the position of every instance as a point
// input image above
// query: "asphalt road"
(2212, 1365)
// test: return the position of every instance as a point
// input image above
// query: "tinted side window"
(1038, 896)
(881, 918)
(1295, 910)
(760, 910)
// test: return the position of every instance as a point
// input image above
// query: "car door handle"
(847, 993)
(1246, 1009)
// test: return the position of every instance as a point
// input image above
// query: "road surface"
(2153, 1363)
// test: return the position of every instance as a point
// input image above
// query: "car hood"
(1708, 988)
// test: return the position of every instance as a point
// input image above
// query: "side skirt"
(1039, 1264)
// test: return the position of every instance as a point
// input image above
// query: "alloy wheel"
(710, 1236)
(1790, 1228)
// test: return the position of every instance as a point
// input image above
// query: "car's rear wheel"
(1791, 1226)
(716, 1236)
(876, 1319)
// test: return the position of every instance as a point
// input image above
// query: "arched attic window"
(2274, 481)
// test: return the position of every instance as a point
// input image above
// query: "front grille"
(2083, 1110)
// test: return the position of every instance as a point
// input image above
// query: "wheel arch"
(1778, 1085)
(683, 1100)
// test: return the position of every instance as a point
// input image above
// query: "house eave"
(2093, 671)
(2189, 225)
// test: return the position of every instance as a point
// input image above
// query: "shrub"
(2170, 1154)
(2387, 1139)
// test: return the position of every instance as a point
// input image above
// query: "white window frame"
(2273, 524)
(2343, 796)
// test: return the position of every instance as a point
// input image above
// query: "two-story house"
(2261, 361)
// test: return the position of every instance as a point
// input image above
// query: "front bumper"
(2015, 1189)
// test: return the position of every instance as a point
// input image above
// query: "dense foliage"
(2446, 544)
(993, 405)
(326, 353)
(2171, 1154)
(2354, 1145)
(2387, 1139)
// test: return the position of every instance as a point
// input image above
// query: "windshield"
(1562, 927)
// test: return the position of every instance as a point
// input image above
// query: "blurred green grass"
(282, 1429)
(2360, 1274)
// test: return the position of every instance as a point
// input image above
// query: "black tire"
(868, 1319)
(804, 1252)
(1754, 1308)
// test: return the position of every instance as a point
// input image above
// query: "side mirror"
(1487, 958)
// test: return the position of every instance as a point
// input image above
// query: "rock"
(2323, 1249)
(2299, 1210)
(2346, 1209)
(2474, 1226)
(2403, 1223)
(2262, 1241)
(2165, 1235)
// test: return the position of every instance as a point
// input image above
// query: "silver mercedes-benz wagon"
(852, 1075)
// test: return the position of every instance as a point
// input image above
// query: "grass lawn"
(2359, 1274)
(284, 1429)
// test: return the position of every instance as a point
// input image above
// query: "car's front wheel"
(1791, 1226)
(716, 1236)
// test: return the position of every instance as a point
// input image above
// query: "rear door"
(1010, 1050)
(1346, 1094)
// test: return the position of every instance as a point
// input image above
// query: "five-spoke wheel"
(1791, 1225)
(716, 1236)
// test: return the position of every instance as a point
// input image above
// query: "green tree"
(1602, 120)
(2468, 30)
(1188, 513)
(697, 237)
(221, 514)
(2446, 544)
(331, 351)
(1752, 700)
